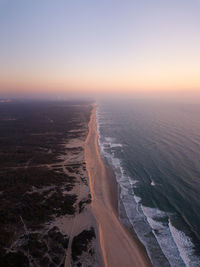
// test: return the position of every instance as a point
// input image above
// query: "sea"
(153, 147)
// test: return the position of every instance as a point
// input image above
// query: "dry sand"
(118, 247)
(72, 225)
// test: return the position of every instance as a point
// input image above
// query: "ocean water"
(154, 150)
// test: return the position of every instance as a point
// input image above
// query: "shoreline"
(119, 247)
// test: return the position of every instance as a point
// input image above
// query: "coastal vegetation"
(36, 179)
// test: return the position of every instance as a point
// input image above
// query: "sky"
(99, 45)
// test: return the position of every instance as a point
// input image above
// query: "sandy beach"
(118, 246)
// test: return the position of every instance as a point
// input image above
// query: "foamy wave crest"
(185, 247)
(165, 245)
(158, 220)
(129, 201)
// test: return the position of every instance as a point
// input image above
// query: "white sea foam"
(155, 218)
(185, 246)
(147, 222)
(132, 211)
(152, 181)
(137, 199)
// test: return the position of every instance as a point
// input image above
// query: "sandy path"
(117, 245)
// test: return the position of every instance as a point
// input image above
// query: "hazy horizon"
(88, 47)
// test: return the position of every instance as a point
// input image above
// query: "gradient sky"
(100, 45)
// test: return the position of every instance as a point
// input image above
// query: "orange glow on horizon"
(124, 83)
(100, 47)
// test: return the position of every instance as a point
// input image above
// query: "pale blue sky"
(107, 42)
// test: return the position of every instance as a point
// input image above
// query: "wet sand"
(118, 246)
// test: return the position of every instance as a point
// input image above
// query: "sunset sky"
(91, 45)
